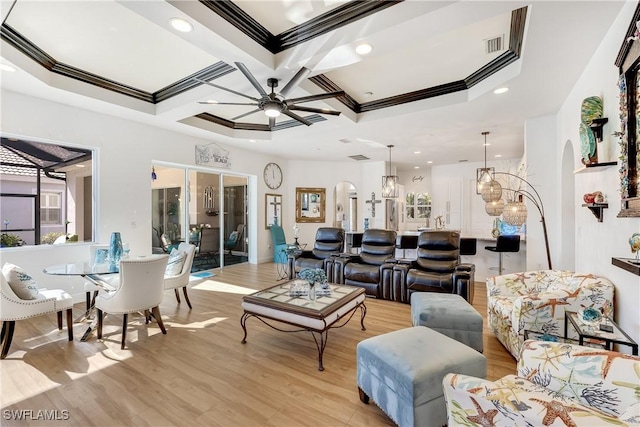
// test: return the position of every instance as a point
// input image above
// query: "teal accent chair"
(280, 246)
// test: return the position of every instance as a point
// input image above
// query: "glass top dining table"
(91, 272)
(81, 269)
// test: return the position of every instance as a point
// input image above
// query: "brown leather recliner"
(436, 269)
(372, 268)
(329, 241)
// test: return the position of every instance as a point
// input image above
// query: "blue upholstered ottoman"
(449, 314)
(402, 372)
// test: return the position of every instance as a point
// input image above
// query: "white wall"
(320, 175)
(597, 242)
(543, 173)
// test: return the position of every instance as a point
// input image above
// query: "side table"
(618, 336)
(282, 270)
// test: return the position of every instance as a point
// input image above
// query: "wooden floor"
(199, 373)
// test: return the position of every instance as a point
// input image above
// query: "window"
(50, 208)
(46, 192)
(417, 207)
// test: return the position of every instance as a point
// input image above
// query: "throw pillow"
(175, 262)
(20, 282)
(233, 237)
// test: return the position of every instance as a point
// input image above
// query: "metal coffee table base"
(322, 335)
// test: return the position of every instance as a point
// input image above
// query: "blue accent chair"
(280, 246)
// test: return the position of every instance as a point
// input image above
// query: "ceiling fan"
(273, 104)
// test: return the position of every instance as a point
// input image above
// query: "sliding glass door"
(207, 209)
(235, 219)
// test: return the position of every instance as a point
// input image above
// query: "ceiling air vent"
(494, 44)
(359, 157)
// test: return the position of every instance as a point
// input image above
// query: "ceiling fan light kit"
(274, 104)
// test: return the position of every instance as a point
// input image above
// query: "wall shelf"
(629, 264)
(596, 209)
(594, 167)
(596, 126)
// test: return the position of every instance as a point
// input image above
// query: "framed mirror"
(310, 204)
(272, 210)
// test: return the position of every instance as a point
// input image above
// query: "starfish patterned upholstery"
(556, 384)
(537, 300)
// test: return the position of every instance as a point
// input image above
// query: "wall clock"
(273, 175)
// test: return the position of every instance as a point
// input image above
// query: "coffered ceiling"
(427, 85)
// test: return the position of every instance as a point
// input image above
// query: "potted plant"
(8, 240)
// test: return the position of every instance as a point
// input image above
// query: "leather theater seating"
(436, 269)
(372, 268)
(329, 241)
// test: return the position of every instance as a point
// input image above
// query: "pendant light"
(484, 175)
(390, 182)
(515, 212)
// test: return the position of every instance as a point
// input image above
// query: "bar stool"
(356, 242)
(468, 245)
(407, 242)
(509, 243)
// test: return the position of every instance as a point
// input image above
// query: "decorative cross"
(275, 204)
(373, 202)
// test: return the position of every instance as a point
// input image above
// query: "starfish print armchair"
(537, 300)
(556, 384)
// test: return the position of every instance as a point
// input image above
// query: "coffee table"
(317, 317)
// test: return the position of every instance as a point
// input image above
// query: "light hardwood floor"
(200, 373)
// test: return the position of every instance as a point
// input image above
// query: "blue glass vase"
(115, 248)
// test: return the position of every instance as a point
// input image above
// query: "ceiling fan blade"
(314, 110)
(250, 77)
(245, 114)
(272, 122)
(295, 81)
(314, 97)
(228, 90)
(227, 103)
(297, 117)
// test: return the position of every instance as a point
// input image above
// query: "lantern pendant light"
(390, 182)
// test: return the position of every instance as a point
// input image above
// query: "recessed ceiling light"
(252, 140)
(501, 90)
(368, 94)
(416, 167)
(498, 155)
(430, 161)
(8, 68)
(79, 166)
(364, 48)
(211, 101)
(416, 152)
(181, 25)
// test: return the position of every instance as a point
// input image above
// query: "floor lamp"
(534, 197)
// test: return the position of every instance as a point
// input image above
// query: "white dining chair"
(181, 280)
(140, 289)
(14, 308)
